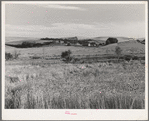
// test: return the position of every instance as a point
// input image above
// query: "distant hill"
(120, 39)
(70, 38)
(141, 39)
(82, 38)
(124, 39)
(100, 38)
(11, 39)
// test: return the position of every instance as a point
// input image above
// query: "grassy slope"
(127, 47)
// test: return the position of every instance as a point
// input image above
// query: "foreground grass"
(80, 86)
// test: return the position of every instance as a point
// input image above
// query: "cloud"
(56, 6)
(23, 28)
(77, 29)
(56, 29)
(74, 26)
(55, 26)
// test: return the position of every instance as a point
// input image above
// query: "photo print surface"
(75, 55)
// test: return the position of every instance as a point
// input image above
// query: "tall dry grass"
(76, 86)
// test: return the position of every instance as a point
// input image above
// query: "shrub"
(8, 56)
(16, 55)
(66, 56)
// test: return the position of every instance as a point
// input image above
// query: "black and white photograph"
(75, 59)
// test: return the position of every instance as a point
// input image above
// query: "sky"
(69, 20)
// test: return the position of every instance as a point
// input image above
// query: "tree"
(111, 40)
(118, 51)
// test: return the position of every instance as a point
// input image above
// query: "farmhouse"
(92, 43)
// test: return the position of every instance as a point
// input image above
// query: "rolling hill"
(120, 39)
(19, 40)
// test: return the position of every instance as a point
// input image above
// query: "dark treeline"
(52, 39)
(65, 40)
(29, 44)
(142, 42)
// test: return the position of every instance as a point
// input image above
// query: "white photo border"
(82, 114)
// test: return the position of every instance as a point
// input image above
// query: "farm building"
(89, 43)
(78, 44)
(68, 44)
(111, 40)
(61, 42)
(92, 43)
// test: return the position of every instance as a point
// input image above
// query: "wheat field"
(75, 86)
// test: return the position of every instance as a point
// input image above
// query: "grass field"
(100, 85)
(97, 86)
